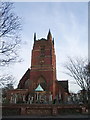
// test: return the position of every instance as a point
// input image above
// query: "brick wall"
(41, 110)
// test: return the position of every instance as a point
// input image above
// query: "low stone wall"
(41, 110)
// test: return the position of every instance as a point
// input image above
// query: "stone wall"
(42, 110)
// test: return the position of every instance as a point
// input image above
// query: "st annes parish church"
(39, 84)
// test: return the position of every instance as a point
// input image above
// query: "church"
(39, 84)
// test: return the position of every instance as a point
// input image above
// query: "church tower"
(40, 82)
(43, 65)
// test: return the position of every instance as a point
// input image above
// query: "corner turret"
(34, 37)
(53, 41)
(49, 36)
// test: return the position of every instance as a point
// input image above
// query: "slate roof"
(23, 79)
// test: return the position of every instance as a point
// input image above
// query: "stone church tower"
(43, 64)
(42, 72)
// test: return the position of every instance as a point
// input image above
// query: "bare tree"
(9, 34)
(87, 71)
(88, 68)
(6, 80)
(8, 84)
(76, 68)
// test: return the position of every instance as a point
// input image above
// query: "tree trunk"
(89, 102)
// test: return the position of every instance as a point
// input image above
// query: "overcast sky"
(68, 23)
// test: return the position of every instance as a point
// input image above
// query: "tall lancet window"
(42, 51)
(42, 82)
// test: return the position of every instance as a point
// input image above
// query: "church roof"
(39, 88)
(25, 77)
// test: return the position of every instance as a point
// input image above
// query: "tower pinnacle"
(53, 40)
(49, 36)
(34, 37)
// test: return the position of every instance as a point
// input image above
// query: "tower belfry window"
(42, 51)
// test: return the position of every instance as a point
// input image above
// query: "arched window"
(42, 51)
(27, 83)
(42, 82)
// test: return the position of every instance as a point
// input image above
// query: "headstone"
(29, 98)
(32, 99)
(15, 98)
(24, 98)
(50, 97)
(11, 99)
